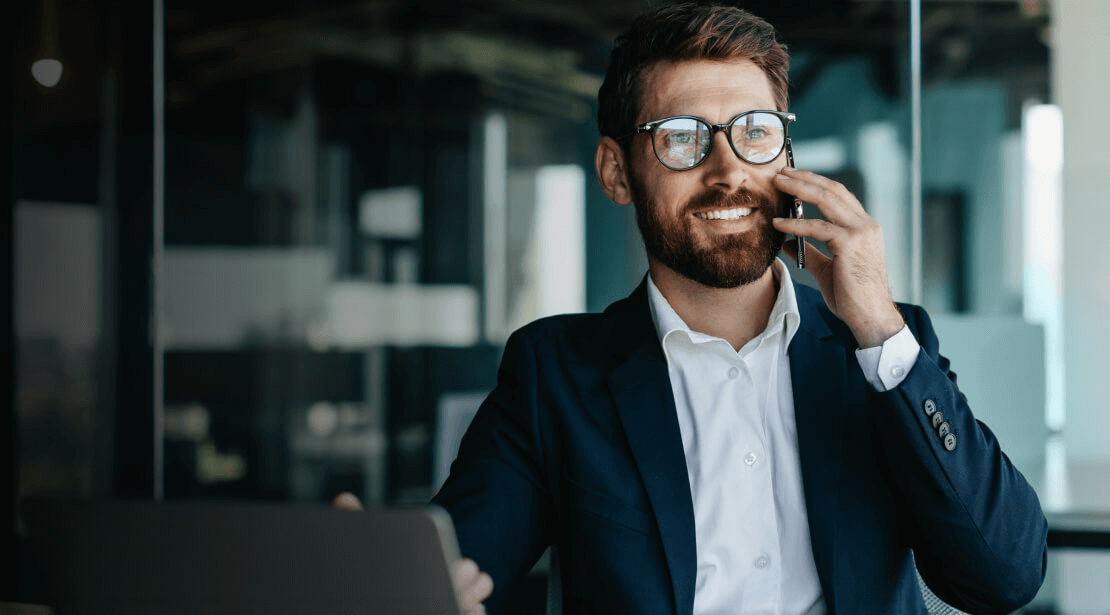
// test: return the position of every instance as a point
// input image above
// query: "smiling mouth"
(725, 214)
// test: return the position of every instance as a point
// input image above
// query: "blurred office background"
(272, 250)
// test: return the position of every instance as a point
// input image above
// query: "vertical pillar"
(1081, 87)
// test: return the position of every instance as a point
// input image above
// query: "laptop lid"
(143, 557)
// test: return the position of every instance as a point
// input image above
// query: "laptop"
(216, 558)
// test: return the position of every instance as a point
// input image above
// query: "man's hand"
(853, 281)
(472, 586)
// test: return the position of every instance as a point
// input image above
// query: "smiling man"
(725, 440)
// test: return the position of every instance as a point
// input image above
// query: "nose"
(723, 169)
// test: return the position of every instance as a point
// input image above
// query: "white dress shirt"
(736, 415)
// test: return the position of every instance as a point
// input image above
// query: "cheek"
(674, 190)
(764, 182)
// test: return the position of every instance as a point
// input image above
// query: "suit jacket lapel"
(641, 389)
(818, 372)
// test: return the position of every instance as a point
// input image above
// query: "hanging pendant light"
(47, 70)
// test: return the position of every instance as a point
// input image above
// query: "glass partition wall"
(283, 263)
(363, 200)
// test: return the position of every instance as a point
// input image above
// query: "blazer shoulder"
(556, 326)
(589, 334)
(572, 330)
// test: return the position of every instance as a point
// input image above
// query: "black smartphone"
(797, 210)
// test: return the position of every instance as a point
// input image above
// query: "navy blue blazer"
(579, 446)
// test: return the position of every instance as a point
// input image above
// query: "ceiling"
(557, 47)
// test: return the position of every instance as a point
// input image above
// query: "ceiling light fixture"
(47, 70)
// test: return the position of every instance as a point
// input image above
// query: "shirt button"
(733, 372)
(897, 372)
(750, 459)
(762, 562)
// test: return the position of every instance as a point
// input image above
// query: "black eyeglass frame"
(649, 127)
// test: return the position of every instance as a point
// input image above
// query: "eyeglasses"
(683, 142)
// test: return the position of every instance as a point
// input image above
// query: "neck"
(734, 314)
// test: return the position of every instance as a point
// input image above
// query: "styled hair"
(685, 31)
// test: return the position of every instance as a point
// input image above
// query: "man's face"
(712, 223)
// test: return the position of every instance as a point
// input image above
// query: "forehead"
(716, 90)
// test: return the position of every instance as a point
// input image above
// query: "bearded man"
(725, 440)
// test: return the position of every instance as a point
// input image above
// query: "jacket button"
(943, 430)
(930, 407)
(938, 418)
(950, 442)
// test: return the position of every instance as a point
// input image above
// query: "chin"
(735, 261)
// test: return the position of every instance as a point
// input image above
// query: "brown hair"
(686, 31)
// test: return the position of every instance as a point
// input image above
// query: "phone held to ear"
(797, 211)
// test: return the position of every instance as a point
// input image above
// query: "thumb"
(816, 261)
(818, 265)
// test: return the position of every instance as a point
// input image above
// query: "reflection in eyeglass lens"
(681, 143)
(758, 137)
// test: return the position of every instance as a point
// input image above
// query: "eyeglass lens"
(682, 143)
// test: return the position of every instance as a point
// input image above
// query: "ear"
(613, 171)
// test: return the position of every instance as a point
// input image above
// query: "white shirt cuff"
(886, 366)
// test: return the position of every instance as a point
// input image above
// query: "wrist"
(878, 330)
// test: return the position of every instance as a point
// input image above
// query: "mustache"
(710, 200)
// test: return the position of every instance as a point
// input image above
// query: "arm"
(496, 493)
(977, 530)
(974, 523)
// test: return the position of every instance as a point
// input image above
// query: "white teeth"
(725, 214)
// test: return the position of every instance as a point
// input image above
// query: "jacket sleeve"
(974, 522)
(495, 492)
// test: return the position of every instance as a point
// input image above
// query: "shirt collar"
(785, 316)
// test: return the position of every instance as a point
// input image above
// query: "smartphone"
(797, 210)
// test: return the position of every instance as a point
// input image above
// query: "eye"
(756, 133)
(681, 137)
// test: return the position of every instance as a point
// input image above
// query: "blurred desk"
(18, 608)
(1078, 530)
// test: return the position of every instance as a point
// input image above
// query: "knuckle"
(465, 570)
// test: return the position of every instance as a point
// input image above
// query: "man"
(724, 440)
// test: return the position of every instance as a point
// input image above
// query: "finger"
(347, 501)
(465, 571)
(833, 200)
(478, 591)
(821, 230)
(814, 178)
(472, 584)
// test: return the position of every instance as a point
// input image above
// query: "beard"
(716, 261)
